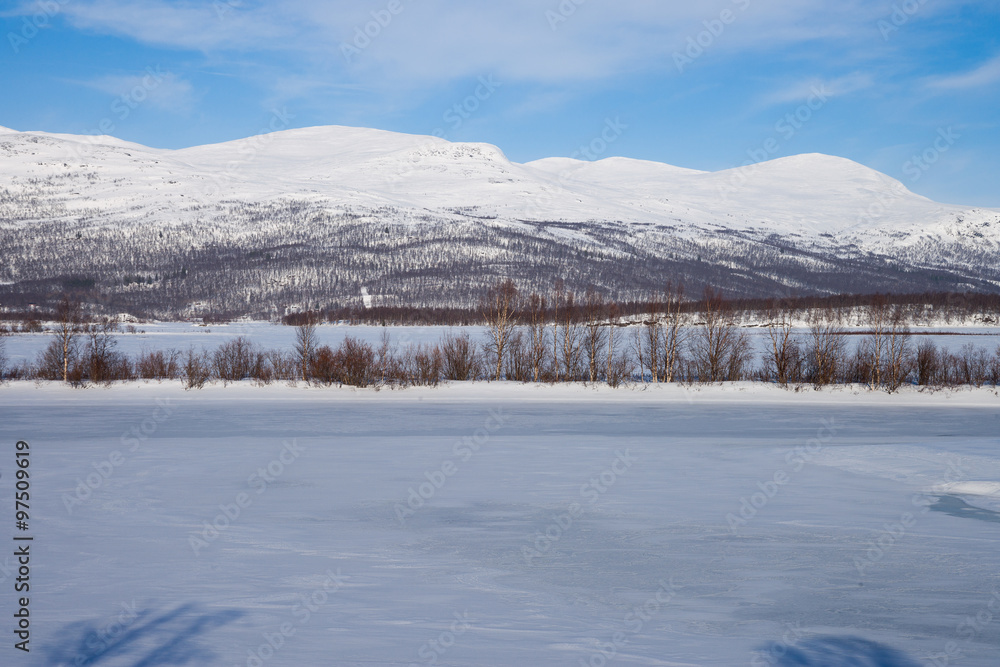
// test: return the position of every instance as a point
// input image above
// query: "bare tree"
(69, 325)
(928, 363)
(306, 343)
(558, 301)
(721, 349)
(783, 357)
(595, 333)
(196, 369)
(826, 352)
(103, 364)
(499, 309)
(619, 365)
(897, 350)
(237, 359)
(877, 318)
(570, 343)
(647, 340)
(461, 361)
(674, 333)
(537, 340)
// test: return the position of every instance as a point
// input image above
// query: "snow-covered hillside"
(805, 195)
(823, 210)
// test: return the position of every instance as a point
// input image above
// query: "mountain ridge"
(809, 222)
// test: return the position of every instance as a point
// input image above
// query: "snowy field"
(499, 524)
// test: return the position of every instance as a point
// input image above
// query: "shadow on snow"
(149, 640)
(837, 652)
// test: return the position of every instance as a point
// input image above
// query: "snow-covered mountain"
(827, 212)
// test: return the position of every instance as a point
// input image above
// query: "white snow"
(817, 199)
(971, 488)
(556, 522)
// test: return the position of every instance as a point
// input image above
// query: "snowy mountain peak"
(333, 167)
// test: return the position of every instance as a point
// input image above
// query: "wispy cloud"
(986, 74)
(436, 41)
(802, 90)
(162, 90)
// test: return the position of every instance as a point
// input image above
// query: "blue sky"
(911, 88)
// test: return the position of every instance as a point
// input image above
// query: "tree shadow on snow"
(955, 506)
(149, 639)
(836, 652)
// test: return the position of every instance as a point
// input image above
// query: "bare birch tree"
(674, 333)
(537, 340)
(783, 356)
(499, 308)
(306, 343)
(69, 325)
(595, 333)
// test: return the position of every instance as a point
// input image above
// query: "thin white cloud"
(161, 90)
(435, 41)
(986, 74)
(827, 88)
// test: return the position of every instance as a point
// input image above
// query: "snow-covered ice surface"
(560, 526)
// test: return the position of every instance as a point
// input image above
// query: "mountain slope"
(120, 210)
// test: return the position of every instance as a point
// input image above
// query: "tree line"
(557, 337)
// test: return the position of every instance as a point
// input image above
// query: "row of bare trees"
(550, 338)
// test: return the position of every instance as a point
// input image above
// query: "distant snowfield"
(504, 524)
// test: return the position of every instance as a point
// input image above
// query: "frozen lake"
(505, 525)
